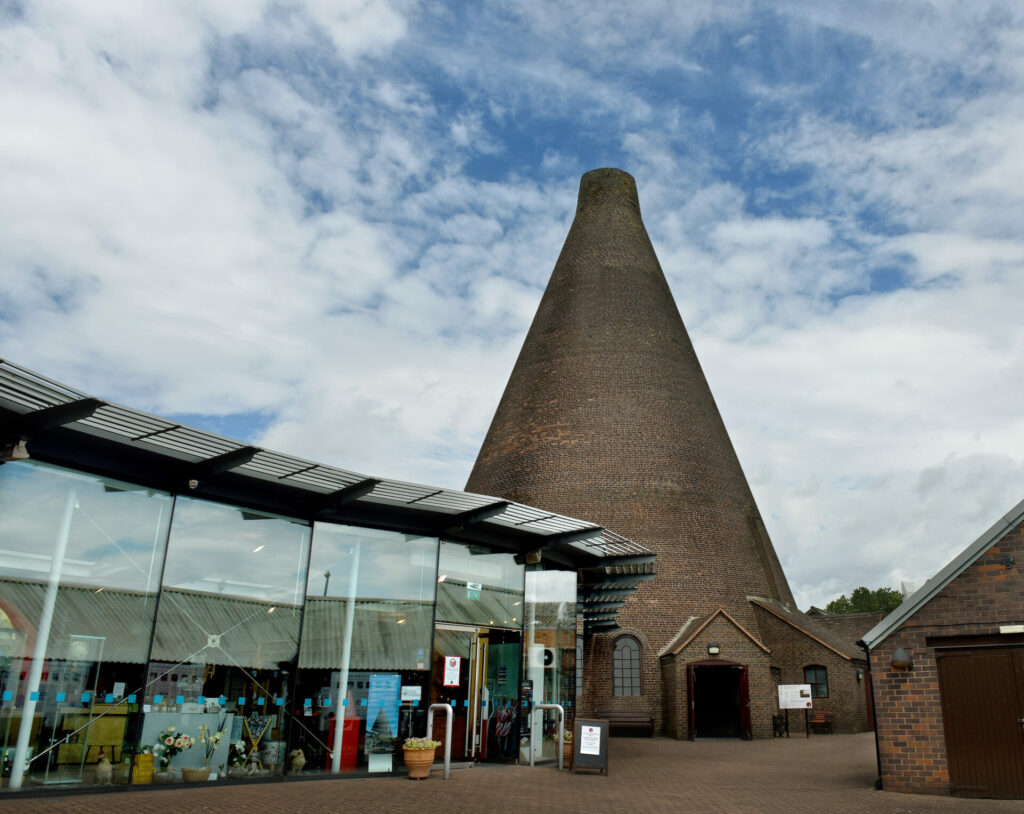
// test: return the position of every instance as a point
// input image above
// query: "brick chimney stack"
(607, 416)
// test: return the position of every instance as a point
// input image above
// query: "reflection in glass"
(80, 560)
(226, 638)
(550, 631)
(476, 586)
(369, 610)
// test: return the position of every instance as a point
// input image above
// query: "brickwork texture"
(909, 708)
(607, 416)
(792, 652)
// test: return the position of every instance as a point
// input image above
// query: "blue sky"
(324, 227)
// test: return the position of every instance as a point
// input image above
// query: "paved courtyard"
(829, 773)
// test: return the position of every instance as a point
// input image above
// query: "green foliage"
(862, 600)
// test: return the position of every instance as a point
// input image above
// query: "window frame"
(631, 651)
(817, 685)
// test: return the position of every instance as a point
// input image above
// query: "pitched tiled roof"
(696, 624)
(809, 627)
(847, 627)
(949, 572)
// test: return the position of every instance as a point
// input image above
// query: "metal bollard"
(447, 735)
(561, 729)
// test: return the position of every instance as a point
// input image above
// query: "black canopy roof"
(64, 426)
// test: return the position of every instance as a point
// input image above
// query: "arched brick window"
(626, 666)
(817, 677)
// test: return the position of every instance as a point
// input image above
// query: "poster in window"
(451, 670)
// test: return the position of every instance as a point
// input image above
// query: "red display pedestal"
(349, 744)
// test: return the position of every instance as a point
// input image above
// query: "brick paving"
(795, 776)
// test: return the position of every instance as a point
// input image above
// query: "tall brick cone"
(607, 416)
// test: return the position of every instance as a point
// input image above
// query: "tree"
(863, 600)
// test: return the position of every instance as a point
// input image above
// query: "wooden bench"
(821, 721)
(634, 721)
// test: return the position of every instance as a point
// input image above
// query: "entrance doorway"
(982, 694)
(719, 694)
(476, 672)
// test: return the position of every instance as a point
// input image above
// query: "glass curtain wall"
(80, 562)
(550, 653)
(365, 644)
(477, 586)
(226, 643)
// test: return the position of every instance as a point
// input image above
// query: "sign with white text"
(794, 696)
(590, 746)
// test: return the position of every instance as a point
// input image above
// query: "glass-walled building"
(178, 607)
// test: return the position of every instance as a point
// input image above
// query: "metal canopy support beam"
(222, 463)
(617, 562)
(468, 518)
(354, 491)
(58, 415)
(601, 606)
(616, 582)
(593, 592)
(571, 536)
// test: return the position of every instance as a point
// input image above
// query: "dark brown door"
(982, 706)
(744, 699)
(690, 701)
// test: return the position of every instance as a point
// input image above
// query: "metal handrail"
(561, 729)
(447, 734)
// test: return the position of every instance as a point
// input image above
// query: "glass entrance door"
(476, 672)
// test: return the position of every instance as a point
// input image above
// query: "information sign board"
(794, 696)
(590, 745)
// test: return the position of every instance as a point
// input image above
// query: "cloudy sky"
(324, 227)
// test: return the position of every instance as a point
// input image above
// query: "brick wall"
(909, 711)
(793, 650)
(607, 416)
(735, 646)
(598, 688)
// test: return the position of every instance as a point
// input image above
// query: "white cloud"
(342, 215)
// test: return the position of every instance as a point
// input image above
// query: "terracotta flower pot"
(567, 755)
(418, 762)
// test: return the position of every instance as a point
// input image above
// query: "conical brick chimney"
(607, 416)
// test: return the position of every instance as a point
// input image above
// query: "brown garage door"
(982, 699)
